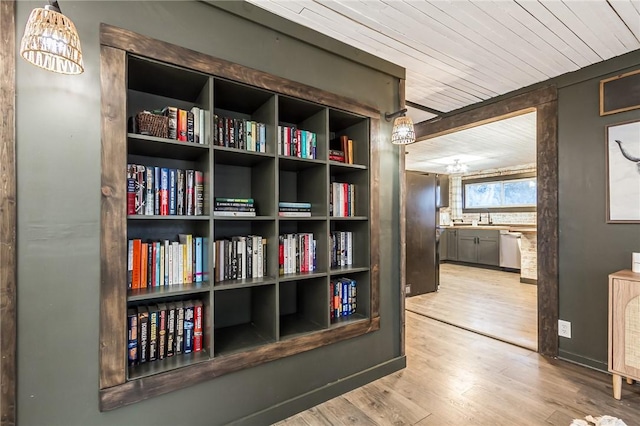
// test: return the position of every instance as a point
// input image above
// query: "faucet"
(489, 221)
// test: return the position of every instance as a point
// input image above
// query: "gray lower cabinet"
(452, 244)
(479, 246)
(442, 245)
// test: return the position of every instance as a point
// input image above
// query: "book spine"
(162, 331)
(197, 326)
(129, 264)
(171, 329)
(172, 191)
(205, 258)
(164, 191)
(195, 113)
(137, 256)
(180, 187)
(132, 343)
(182, 125)
(153, 332)
(199, 259)
(140, 189)
(150, 267)
(189, 193)
(280, 255)
(190, 127)
(149, 202)
(179, 346)
(172, 113)
(188, 327)
(199, 193)
(132, 179)
(143, 334)
(201, 123)
(249, 256)
(157, 172)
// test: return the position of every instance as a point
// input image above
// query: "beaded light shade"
(51, 41)
(403, 133)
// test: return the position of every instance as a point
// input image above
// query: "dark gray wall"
(590, 249)
(58, 161)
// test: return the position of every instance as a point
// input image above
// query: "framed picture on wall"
(620, 93)
(623, 172)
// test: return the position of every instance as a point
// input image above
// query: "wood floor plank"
(488, 301)
(459, 378)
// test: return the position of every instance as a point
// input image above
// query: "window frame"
(499, 178)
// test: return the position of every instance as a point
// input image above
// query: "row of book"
(294, 209)
(341, 150)
(164, 191)
(341, 248)
(165, 263)
(240, 257)
(293, 142)
(234, 207)
(296, 253)
(343, 300)
(186, 125)
(156, 332)
(239, 133)
(342, 198)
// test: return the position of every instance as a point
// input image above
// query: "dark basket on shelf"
(152, 124)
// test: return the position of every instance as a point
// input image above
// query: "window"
(500, 194)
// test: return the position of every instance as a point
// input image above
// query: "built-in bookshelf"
(248, 180)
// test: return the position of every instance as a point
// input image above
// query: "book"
(199, 193)
(129, 263)
(179, 334)
(180, 191)
(143, 334)
(156, 189)
(172, 113)
(182, 125)
(162, 330)
(172, 191)
(149, 202)
(171, 329)
(164, 191)
(136, 259)
(153, 332)
(235, 213)
(197, 326)
(132, 178)
(294, 204)
(234, 200)
(294, 214)
(132, 342)
(188, 323)
(190, 127)
(189, 192)
(198, 259)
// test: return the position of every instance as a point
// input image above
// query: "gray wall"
(590, 249)
(58, 161)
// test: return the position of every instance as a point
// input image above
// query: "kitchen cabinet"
(452, 244)
(480, 246)
(442, 245)
(624, 328)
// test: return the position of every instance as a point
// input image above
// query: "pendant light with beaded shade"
(402, 132)
(51, 41)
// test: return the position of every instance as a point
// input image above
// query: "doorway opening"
(544, 103)
(486, 229)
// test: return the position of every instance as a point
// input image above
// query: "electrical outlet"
(407, 289)
(564, 329)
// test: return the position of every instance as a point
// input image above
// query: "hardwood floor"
(487, 301)
(457, 377)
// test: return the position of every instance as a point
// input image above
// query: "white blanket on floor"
(598, 421)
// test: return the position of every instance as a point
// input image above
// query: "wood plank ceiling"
(460, 52)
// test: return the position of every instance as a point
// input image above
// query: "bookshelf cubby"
(251, 320)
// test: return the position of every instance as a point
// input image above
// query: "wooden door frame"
(8, 262)
(544, 102)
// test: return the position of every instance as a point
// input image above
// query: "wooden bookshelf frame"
(115, 390)
(8, 266)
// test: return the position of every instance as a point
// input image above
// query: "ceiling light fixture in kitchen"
(457, 167)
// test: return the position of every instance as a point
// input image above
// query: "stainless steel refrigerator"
(422, 264)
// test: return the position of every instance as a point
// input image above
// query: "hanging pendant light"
(51, 41)
(402, 132)
(457, 167)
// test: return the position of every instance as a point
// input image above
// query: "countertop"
(512, 228)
